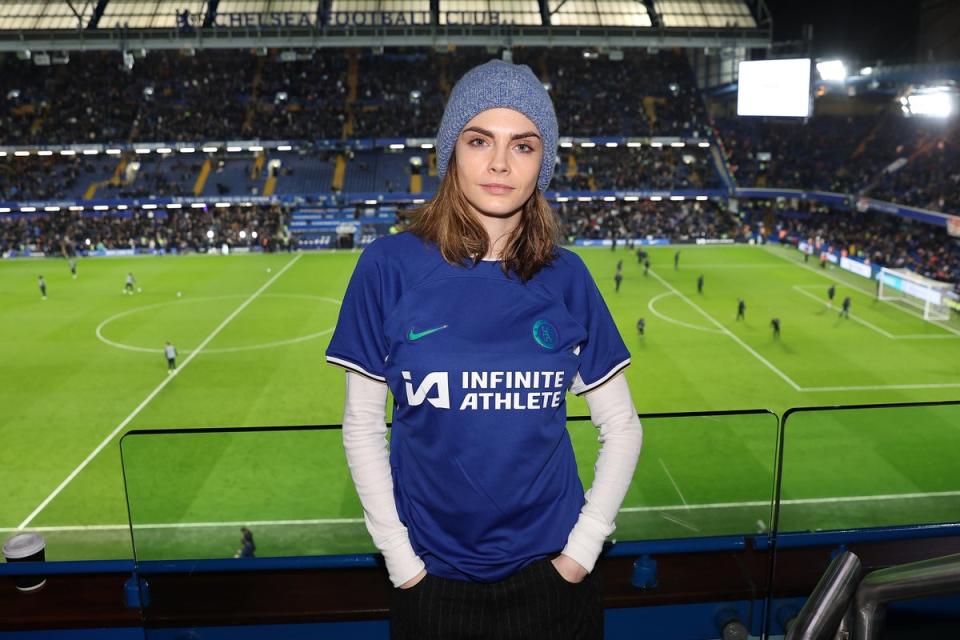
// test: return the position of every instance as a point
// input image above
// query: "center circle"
(264, 345)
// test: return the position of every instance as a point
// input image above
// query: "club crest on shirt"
(545, 334)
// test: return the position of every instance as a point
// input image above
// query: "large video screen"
(774, 88)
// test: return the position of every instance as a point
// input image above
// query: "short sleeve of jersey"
(359, 342)
(603, 354)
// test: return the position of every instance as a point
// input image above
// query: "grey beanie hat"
(499, 84)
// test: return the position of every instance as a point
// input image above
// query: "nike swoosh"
(416, 335)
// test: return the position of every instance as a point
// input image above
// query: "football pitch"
(85, 366)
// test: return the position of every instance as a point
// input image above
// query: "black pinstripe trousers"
(536, 603)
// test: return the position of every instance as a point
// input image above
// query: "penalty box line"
(845, 283)
(153, 394)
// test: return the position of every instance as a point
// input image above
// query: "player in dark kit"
(831, 292)
(641, 325)
(700, 283)
(845, 311)
(676, 260)
(646, 266)
(741, 308)
(618, 278)
(775, 323)
(43, 286)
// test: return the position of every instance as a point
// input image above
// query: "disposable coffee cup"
(26, 547)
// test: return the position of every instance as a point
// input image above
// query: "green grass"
(64, 389)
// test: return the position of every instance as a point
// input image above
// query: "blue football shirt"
(479, 363)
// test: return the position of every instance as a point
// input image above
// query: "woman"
(479, 323)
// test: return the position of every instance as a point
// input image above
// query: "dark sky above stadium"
(860, 30)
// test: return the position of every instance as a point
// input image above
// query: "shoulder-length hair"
(447, 222)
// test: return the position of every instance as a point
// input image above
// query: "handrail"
(826, 606)
(932, 577)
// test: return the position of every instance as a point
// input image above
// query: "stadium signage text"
(186, 19)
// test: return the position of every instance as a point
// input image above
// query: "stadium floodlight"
(566, 145)
(243, 234)
(222, 205)
(931, 102)
(255, 148)
(100, 207)
(3, 154)
(397, 145)
(51, 209)
(284, 147)
(426, 145)
(609, 198)
(209, 149)
(44, 152)
(142, 151)
(87, 242)
(121, 207)
(234, 149)
(677, 198)
(866, 71)
(114, 152)
(634, 145)
(27, 209)
(563, 199)
(656, 145)
(584, 199)
(198, 205)
(588, 145)
(631, 198)
(164, 150)
(703, 145)
(703, 197)
(187, 149)
(91, 152)
(75, 207)
(611, 145)
(149, 206)
(21, 154)
(832, 70)
(4, 209)
(68, 152)
(678, 144)
(174, 205)
(253, 234)
(210, 233)
(656, 198)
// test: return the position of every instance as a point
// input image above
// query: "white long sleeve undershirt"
(365, 443)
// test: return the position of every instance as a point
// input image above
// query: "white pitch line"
(855, 318)
(802, 288)
(676, 520)
(872, 294)
(730, 334)
(668, 507)
(154, 393)
(885, 387)
(672, 481)
(667, 318)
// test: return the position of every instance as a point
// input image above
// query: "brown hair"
(447, 222)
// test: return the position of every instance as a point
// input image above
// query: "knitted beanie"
(499, 84)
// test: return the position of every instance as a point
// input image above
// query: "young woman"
(479, 323)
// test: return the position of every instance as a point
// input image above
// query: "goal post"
(905, 286)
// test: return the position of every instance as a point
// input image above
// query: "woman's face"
(498, 158)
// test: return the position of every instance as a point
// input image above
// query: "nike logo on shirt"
(416, 335)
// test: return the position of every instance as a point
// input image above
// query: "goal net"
(911, 288)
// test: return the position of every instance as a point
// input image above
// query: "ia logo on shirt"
(438, 379)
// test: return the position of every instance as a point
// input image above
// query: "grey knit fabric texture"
(499, 84)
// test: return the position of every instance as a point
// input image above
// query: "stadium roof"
(125, 24)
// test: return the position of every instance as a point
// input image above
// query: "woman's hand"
(569, 569)
(412, 582)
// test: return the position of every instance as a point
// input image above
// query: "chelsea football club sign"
(188, 20)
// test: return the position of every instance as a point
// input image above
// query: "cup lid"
(22, 545)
